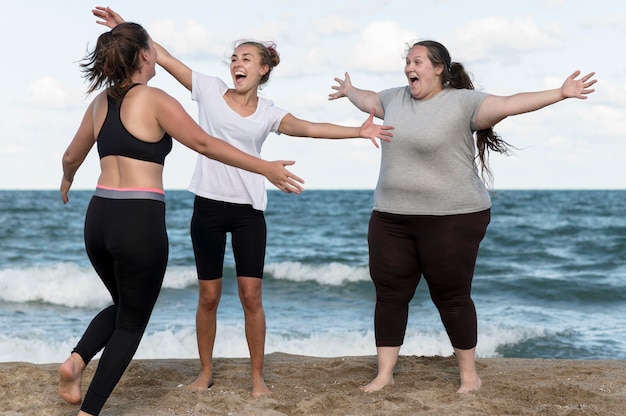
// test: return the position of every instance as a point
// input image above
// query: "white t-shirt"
(216, 180)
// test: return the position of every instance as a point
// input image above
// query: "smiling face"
(424, 77)
(246, 68)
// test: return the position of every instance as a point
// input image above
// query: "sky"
(507, 46)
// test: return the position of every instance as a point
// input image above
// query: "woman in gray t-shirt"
(431, 207)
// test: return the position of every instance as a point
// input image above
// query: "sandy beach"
(330, 386)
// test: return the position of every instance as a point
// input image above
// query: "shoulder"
(201, 80)
(152, 97)
(99, 106)
(100, 99)
(465, 96)
(267, 105)
(465, 93)
(392, 93)
(149, 92)
(266, 102)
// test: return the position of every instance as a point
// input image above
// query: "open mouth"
(413, 80)
(239, 76)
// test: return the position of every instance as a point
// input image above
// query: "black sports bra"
(114, 139)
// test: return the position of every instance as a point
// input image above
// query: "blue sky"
(509, 47)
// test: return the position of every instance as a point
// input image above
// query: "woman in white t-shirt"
(230, 199)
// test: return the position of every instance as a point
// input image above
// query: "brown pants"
(443, 249)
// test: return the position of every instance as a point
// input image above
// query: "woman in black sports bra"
(125, 233)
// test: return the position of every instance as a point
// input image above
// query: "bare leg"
(467, 370)
(387, 359)
(70, 376)
(206, 324)
(250, 294)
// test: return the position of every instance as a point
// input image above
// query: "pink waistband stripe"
(108, 188)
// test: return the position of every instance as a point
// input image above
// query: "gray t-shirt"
(429, 167)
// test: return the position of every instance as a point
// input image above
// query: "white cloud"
(11, 149)
(310, 61)
(274, 31)
(550, 4)
(49, 93)
(606, 120)
(332, 25)
(381, 47)
(305, 102)
(613, 21)
(557, 141)
(191, 39)
(609, 92)
(503, 37)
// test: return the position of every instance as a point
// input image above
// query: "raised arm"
(496, 108)
(176, 68)
(293, 126)
(364, 100)
(174, 119)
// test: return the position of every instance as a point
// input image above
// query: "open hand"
(372, 130)
(342, 89)
(281, 178)
(109, 18)
(578, 88)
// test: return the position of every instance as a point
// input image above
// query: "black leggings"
(443, 249)
(127, 244)
(210, 223)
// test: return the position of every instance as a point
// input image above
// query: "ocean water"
(550, 280)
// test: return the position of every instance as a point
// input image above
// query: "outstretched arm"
(496, 108)
(174, 119)
(364, 100)
(293, 126)
(176, 68)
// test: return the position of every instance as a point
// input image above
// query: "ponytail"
(115, 59)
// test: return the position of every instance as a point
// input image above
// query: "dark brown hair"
(115, 59)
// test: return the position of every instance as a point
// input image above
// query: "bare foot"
(470, 383)
(259, 389)
(70, 376)
(378, 384)
(203, 382)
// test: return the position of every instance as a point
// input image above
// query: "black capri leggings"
(210, 223)
(443, 249)
(127, 244)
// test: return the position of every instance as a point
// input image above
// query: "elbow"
(69, 159)
(499, 119)
(204, 148)
(488, 124)
(70, 165)
(72, 159)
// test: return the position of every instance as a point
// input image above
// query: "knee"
(134, 323)
(251, 300)
(208, 300)
(394, 297)
(448, 302)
